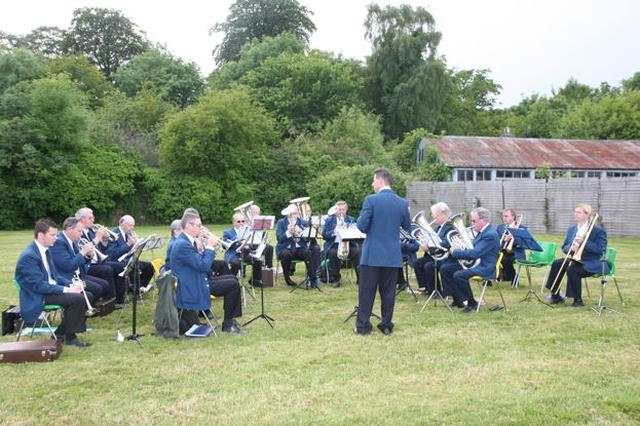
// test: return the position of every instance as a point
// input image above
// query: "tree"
(44, 40)
(19, 65)
(407, 85)
(632, 83)
(105, 36)
(172, 79)
(256, 19)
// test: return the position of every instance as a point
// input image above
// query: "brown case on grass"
(105, 307)
(30, 351)
(267, 277)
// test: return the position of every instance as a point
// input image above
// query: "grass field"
(528, 365)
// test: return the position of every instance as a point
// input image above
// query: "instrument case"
(105, 307)
(30, 351)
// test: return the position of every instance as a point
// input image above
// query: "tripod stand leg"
(436, 295)
(355, 312)
(262, 315)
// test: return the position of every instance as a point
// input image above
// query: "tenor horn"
(245, 209)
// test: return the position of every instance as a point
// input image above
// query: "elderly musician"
(120, 250)
(100, 267)
(239, 239)
(37, 276)
(72, 261)
(584, 245)
(436, 250)
(290, 246)
(332, 250)
(510, 249)
(486, 247)
(191, 262)
(383, 214)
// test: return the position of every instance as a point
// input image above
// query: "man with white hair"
(292, 247)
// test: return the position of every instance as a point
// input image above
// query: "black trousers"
(110, 271)
(374, 278)
(300, 253)
(74, 319)
(228, 287)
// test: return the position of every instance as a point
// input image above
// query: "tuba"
(425, 235)
(245, 209)
(461, 238)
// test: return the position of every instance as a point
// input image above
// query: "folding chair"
(486, 282)
(610, 258)
(44, 316)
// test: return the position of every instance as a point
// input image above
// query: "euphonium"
(461, 239)
(425, 235)
(343, 246)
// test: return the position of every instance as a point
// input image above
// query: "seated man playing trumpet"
(584, 246)
(335, 250)
(291, 246)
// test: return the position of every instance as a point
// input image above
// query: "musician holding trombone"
(38, 279)
(584, 247)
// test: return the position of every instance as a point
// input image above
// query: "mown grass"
(528, 365)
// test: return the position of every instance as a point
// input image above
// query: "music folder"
(351, 233)
(524, 239)
(261, 223)
(309, 232)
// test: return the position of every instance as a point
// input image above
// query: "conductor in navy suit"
(381, 217)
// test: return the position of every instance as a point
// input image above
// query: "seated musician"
(511, 250)
(120, 250)
(39, 284)
(175, 229)
(314, 247)
(436, 251)
(291, 246)
(486, 247)
(239, 239)
(589, 241)
(332, 249)
(72, 261)
(191, 263)
(268, 248)
(100, 267)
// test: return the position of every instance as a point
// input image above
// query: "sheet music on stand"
(351, 233)
(308, 233)
(262, 223)
(524, 239)
(154, 243)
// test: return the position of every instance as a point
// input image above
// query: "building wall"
(547, 206)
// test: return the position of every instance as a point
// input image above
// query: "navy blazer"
(115, 249)
(381, 217)
(67, 261)
(34, 280)
(486, 247)
(191, 269)
(231, 235)
(594, 249)
(328, 231)
(409, 248)
(518, 252)
(286, 242)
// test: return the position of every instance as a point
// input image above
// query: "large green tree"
(407, 84)
(105, 36)
(175, 81)
(256, 19)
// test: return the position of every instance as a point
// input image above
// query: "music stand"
(355, 312)
(133, 266)
(524, 239)
(307, 234)
(436, 292)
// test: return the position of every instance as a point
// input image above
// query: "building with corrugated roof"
(479, 158)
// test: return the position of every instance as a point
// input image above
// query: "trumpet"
(113, 236)
(90, 309)
(204, 235)
(97, 254)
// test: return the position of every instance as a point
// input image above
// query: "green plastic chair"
(610, 256)
(538, 259)
(46, 310)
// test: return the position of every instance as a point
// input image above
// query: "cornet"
(78, 282)
(113, 236)
(98, 254)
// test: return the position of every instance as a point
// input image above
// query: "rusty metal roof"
(525, 153)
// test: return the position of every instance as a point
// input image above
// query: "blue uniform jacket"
(191, 269)
(595, 246)
(285, 241)
(67, 260)
(382, 216)
(486, 247)
(328, 231)
(33, 278)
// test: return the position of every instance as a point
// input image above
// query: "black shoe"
(556, 298)
(455, 304)
(469, 309)
(361, 333)
(577, 303)
(207, 314)
(257, 283)
(232, 328)
(386, 331)
(77, 342)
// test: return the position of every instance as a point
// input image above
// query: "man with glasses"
(191, 264)
(240, 238)
(595, 244)
(486, 247)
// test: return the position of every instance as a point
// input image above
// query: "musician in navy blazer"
(191, 265)
(39, 287)
(591, 261)
(290, 246)
(232, 255)
(330, 250)
(486, 247)
(70, 261)
(509, 221)
(381, 217)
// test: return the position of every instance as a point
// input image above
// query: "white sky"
(530, 46)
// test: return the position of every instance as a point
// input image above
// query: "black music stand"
(307, 234)
(603, 284)
(405, 277)
(133, 266)
(524, 239)
(436, 294)
(355, 312)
